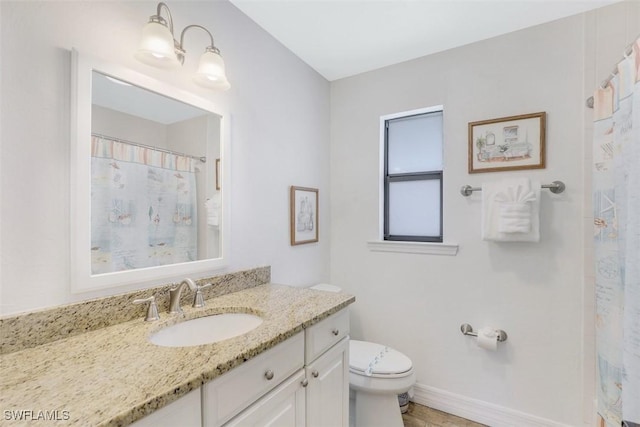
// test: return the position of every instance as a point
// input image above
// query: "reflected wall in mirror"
(146, 202)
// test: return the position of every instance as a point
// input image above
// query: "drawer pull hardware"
(335, 331)
(269, 374)
(315, 373)
(304, 382)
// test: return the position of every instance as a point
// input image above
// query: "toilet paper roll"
(488, 339)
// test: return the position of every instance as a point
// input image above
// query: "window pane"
(414, 208)
(415, 143)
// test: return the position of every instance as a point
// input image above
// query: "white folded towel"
(511, 210)
(213, 210)
(515, 204)
(514, 217)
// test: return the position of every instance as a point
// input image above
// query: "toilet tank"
(325, 287)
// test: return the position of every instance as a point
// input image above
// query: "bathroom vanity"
(290, 370)
(304, 378)
(302, 381)
(92, 362)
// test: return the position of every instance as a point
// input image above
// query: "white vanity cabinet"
(183, 412)
(316, 395)
(327, 371)
(301, 382)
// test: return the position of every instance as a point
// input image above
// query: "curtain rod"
(627, 51)
(203, 159)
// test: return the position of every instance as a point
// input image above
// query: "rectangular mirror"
(147, 193)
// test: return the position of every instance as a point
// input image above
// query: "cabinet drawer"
(324, 334)
(229, 394)
(282, 407)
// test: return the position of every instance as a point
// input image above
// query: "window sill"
(428, 248)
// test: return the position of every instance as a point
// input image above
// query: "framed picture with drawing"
(508, 143)
(304, 215)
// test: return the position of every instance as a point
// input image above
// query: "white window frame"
(381, 245)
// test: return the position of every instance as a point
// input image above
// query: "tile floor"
(421, 416)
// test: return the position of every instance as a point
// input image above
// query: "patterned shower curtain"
(143, 207)
(616, 203)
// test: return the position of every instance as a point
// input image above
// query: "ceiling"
(341, 38)
(118, 95)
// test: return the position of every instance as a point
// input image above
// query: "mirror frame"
(80, 180)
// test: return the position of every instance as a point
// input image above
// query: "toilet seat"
(378, 361)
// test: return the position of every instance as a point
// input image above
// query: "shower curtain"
(616, 203)
(143, 207)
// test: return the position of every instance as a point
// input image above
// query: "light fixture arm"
(195, 26)
(158, 16)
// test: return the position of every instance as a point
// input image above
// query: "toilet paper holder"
(467, 329)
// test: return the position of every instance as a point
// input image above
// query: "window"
(413, 145)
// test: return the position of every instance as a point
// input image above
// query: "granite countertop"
(115, 376)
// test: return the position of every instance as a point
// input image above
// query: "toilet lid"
(375, 359)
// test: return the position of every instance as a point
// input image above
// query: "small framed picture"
(304, 215)
(508, 143)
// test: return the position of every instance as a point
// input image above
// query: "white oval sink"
(206, 330)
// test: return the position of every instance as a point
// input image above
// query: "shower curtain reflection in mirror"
(143, 207)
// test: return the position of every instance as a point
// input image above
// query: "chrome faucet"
(176, 293)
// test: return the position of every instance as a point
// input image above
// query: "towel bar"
(555, 187)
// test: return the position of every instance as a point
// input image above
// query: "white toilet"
(377, 375)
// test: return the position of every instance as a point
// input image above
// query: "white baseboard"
(477, 410)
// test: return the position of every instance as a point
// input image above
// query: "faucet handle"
(152, 310)
(198, 299)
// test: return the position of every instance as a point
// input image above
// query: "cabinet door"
(283, 407)
(183, 412)
(328, 388)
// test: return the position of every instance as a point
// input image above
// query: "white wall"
(116, 124)
(279, 136)
(535, 292)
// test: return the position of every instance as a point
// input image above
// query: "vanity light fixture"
(159, 48)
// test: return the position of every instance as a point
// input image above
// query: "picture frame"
(303, 207)
(507, 143)
(218, 174)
